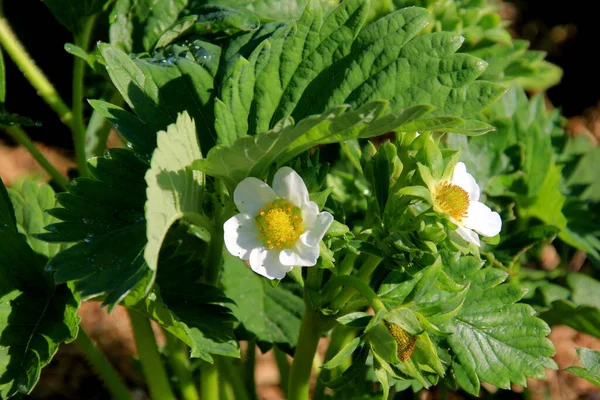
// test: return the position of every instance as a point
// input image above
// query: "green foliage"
(510, 61)
(72, 14)
(270, 314)
(30, 203)
(581, 310)
(196, 313)
(590, 359)
(496, 331)
(36, 315)
(252, 155)
(104, 214)
(274, 9)
(293, 71)
(138, 24)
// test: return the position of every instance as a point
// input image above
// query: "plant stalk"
(231, 371)
(102, 367)
(154, 371)
(180, 364)
(33, 73)
(209, 381)
(283, 365)
(363, 274)
(78, 130)
(299, 381)
(21, 137)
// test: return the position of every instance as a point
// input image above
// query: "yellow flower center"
(453, 200)
(280, 224)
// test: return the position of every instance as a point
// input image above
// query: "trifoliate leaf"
(590, 359)
(498, 340)
(174, 190)
(307, 66)
(104, 214)
(36, 315)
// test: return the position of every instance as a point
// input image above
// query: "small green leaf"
(30, 204)
(342, 355)
(590, 359)
(583, 318)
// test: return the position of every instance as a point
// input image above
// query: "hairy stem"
(21, 137)
(231, 371)
(180, 364)
(103, 368)
(284, 368)
(209, 381)
(353, 282)
(299, 381)
(32, 72)
(154, 371)
(78, 130)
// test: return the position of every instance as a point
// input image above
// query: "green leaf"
(138, 24)
(174, 191)
(273, 9)
(590, 359)
(252, 155)
(30, 204)
(294, 72)
(36, 316)
(584, 319)
(496, 332)
(72, 14)
(196, 313)
(272, 314)
(140, 137)
(342, 355)
(160, 88)
(104, 214)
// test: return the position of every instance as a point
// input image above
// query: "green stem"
(300, 372)
(363, 274)
(209, 382)
(284, 368)
(249, 368)
(20, 136)
(152, 366)
(353, 282)
(34, 75)
(340, 336)
(231, 372)
(82, 40)
(180, 364)
(102, 367)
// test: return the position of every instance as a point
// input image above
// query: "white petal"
(468, 235)
(315, 233)
(310, 212)
(251, 195)
(466, 181)
(288, 184)
(482, 220)
(266, 263)
(241, 235)
(300, 256)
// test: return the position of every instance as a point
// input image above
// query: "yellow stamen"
(453, 200)
(280, 224)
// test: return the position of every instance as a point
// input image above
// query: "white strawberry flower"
(277, 228)
(459, 199)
